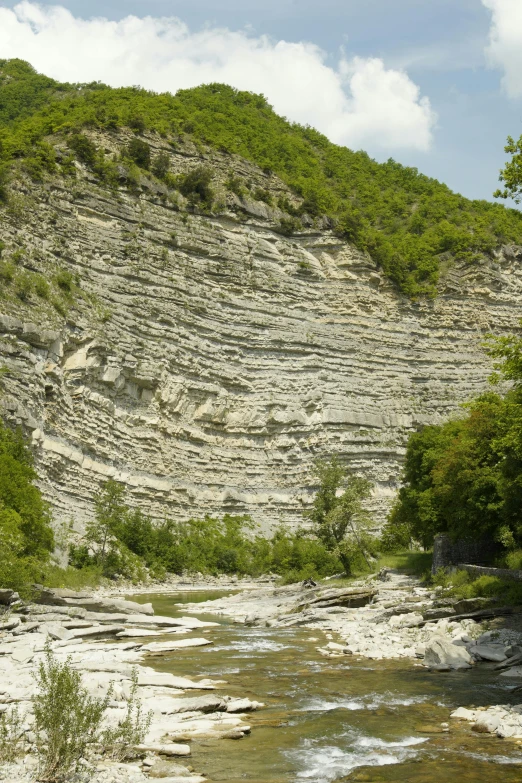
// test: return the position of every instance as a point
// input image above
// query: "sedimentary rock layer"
(210, 359)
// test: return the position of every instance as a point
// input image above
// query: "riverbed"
(329, 720)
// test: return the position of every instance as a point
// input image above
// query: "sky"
(435, 84)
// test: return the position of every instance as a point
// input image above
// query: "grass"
(407, 561)
(460, 584)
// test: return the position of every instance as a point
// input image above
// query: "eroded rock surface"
(209, 358)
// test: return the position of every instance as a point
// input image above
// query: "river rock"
(514, 671)
(97, 631)
(165, 748)
(166, 680)
(486, 723)
(440, 651)
(406, 620)
(165, 769)
(8, 597)
(56, 631)
(161, 647)
(489, 652)
(464, 714)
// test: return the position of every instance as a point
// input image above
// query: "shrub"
(137, 123)
(161, 165)
(195, 185)
(289, 226)
(7, 272)
(67, 719)
(24, 286)
(41, 287)
(64, 280)
(139, 151)
(11, 735)
(132, 729)
(84, 148)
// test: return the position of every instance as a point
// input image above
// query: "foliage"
(406, 220)
(84, 148)
(11, 734)
(195, 185)
(511, 174)
(122, 540)
(67, 719)
(139, 151)
(131, 729)
(465, 477)
(460, 584)
(338, 516)
(161, 165)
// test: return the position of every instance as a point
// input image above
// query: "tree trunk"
(346, 564)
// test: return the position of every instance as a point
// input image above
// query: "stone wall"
(208, 360)
(447, 552)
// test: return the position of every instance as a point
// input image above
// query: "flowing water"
(335, 719)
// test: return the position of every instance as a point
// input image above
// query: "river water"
(338, 719)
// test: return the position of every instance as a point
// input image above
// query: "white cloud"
(505, 42)
(359, 102)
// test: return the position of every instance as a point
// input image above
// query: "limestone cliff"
(207, 358)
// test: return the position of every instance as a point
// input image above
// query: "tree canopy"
(411, 224)
(465, 477)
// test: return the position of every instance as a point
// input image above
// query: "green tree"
(511, 174)
(110, 514)
(338, 516)
(464, 477)
(139, 151)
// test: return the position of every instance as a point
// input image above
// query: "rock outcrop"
(208, 359)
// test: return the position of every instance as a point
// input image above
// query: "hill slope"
(412, 226)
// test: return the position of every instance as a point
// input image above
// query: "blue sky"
(417, 80)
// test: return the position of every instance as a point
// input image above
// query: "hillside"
(172, 315)
(413, 226)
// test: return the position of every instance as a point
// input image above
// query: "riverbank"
(375, 620)
(108, 640)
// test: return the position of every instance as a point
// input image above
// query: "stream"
(338, 719)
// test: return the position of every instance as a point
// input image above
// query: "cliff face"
(208, 359)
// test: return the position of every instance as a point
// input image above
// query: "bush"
(64, 280)
(41, 287)
(84, 148)
(139, 151)
(131, 729)
(24, 286)
(161, 165)
(11, 735)
(66, 719)
(195, 185)
(7, 272)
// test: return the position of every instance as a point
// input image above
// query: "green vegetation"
(460, 584)
(511, 174)
(408, 222)
(340, 521)
(12, 735)
(68, 722)
(26, 537)
(122, 541)
(464, 478)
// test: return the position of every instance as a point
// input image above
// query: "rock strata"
(206, 358)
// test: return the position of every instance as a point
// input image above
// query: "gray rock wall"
(210, 359)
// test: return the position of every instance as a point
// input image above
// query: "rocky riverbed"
(376, 619)
(391, 616)
(108, 639)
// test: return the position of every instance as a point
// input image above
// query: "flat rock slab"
(165, 680)
(515, 671)
(97, 631)
(490, 652)
(165, 748)
(160, 647)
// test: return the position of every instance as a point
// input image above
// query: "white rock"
(441, 652)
